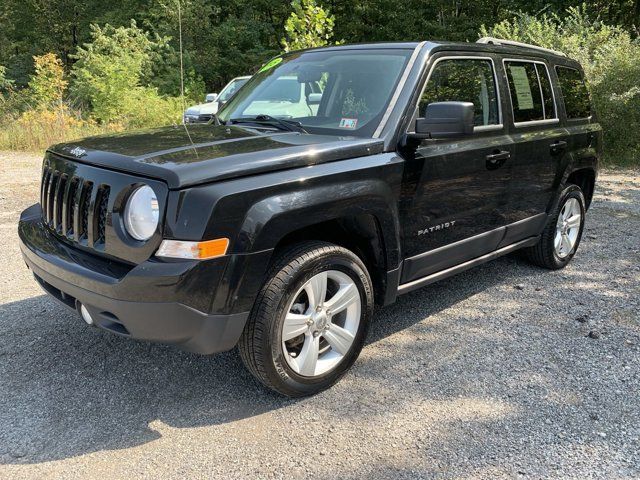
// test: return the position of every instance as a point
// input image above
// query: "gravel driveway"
(504, 371)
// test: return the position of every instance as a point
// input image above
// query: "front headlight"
(141, 214)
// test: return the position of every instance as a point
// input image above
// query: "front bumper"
(169, 302)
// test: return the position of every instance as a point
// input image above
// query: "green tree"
(222, 39)
(308, 26)
(111, 75)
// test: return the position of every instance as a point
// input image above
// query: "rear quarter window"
(574, 91)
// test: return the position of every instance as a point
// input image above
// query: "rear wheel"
(560, 239)
(310, 320)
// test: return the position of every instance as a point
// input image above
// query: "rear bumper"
(168, 302)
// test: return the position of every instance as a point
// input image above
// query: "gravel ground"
(504, 371)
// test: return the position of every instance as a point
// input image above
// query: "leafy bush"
(39, 115)
(5, 83)
(110, 92)
(611, 61)
(108, 77)
(47, 86)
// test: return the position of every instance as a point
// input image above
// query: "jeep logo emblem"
(78, 152)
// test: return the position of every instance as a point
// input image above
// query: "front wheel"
(310, 320)
(560, 239)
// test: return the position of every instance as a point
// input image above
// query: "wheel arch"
(362, 234)
(361, 216)
(585, 178)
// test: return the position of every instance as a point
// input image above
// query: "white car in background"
(213, 102)
(286, 97)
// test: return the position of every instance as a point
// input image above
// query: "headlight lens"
(141, 214)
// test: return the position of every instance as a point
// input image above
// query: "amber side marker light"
(193, 250)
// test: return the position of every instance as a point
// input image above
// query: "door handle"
(557, 147)
(497, 158)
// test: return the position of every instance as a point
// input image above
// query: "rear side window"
(575, 93)
(464, 80)
(530, 90)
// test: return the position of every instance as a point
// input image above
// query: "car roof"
(437, 45)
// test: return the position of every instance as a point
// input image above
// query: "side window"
(464, 80)
(575, 93)
(526, 92)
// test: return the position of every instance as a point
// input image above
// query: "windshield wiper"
(282, 124)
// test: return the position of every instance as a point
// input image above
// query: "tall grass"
(35, 130)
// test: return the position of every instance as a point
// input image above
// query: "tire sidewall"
(572, 191)
(336, 260)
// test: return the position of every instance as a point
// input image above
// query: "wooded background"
(103, 60)
(227, 38)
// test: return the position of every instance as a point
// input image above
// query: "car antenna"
(184, 103)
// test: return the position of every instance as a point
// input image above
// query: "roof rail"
(501, 41)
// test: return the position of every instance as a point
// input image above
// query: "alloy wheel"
(321, 323)
(567, 228)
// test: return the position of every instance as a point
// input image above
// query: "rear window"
(530, 89)
(575, 93)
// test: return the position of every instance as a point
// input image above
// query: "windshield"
(328, 92)
(231, 88)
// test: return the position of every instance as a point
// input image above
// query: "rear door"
(455, 190)
(584, 131)
(540, 145)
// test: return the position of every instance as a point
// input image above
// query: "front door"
(454, 201)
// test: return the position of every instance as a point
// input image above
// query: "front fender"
(256, 212)
(269, 220)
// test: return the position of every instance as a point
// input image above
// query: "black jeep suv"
(335, 179)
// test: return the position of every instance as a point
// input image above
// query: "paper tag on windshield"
(348, 123)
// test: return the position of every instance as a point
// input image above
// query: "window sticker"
(522, 87)
(270, 64)
(348, 123)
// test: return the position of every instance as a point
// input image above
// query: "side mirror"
(445, 120)
(314, 99)
(211, 97)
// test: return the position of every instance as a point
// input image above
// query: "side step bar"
(434, 277)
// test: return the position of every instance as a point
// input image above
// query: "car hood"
(183, 156)
(203, 109)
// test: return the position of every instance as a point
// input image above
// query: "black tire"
(260, 345)
(544, 253)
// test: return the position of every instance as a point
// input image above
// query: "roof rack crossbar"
(501, 41)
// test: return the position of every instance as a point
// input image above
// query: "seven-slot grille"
(74, 207)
